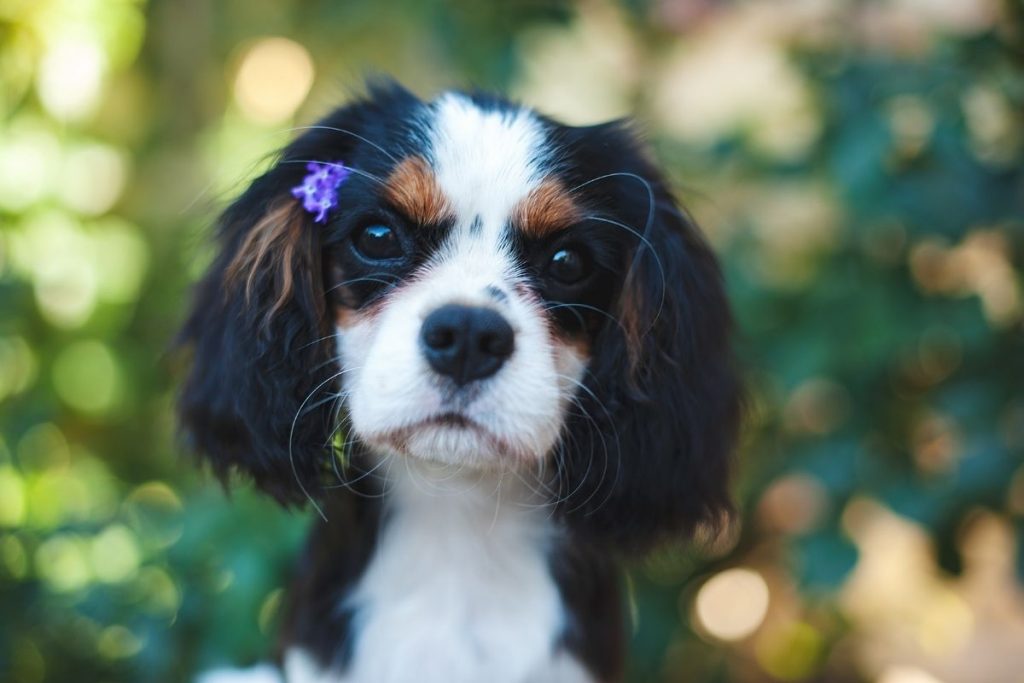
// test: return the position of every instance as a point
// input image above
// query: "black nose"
(466, 343)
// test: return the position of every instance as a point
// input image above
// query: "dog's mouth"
(458, 425)
(455, 421)
(450, 419)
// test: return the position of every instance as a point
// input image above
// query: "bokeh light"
(732, 604)
(906, 674)
(12, 497)
(70, 78)
(17, 366)
(273, 79)
(87, 377)
(28, 163)
(154, 511)
(93, 178)
(63, 564)
(792, 652)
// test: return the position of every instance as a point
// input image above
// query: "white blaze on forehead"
(485, 160)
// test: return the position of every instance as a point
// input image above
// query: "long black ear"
(648, 454)
(253, 330)
(257, 397)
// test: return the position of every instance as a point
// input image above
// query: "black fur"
(254, 400)
(590, 584)
(645, 453)
(336, 556)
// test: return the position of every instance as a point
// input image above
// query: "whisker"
(349, 483)
(367, 278)
(565, 304)
(648, 223)
(316, 341)
(347, 132)
(636, 256)
(332, 164)
(607, 453)
(291, 437)
(625, 174)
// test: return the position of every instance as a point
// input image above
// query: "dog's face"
(446, 285)
(493, 290)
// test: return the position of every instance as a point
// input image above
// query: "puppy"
(493, 355)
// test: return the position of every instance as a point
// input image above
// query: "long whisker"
(654, 254)
(640, 179)
(367, 278)
(349, 483)
(607, 453)
(357, 136)
(552, 498)
(565, 304)
(352, 169)
(317, 341)
(618, 461)
(651, 211)
(291, 436)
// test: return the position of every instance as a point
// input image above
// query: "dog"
(493, 354)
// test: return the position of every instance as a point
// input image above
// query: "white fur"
(459, 589)
(485, 163)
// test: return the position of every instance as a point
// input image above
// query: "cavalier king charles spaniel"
(493, 354)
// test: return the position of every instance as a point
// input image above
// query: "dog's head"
(492, 290)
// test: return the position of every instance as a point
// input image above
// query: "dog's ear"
(648, 454)
(258, 395)
(253, 332)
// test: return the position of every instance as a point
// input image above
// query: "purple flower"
(319, 189)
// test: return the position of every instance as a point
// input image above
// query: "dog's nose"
(466, 343)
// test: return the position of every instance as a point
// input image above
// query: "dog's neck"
(462, 557)
(480, 504)
(464, 569)
(446, 520)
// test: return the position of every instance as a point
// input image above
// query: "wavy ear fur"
(651, 456)
(257, 397)
(254, 326)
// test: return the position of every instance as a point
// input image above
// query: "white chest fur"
(459, 587)
(458, 590)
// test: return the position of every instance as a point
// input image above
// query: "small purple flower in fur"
(319, 189)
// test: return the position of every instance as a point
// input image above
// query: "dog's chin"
(454, 440)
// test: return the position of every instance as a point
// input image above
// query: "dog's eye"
(378, 243)
(568, 266)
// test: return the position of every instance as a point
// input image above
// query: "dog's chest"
(458, 589)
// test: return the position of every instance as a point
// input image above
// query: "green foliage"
(860, 171)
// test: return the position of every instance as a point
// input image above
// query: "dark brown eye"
(567, 266)
(378, 243)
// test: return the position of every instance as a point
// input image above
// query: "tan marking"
(413, 189)
(276, 241)
(549, 207)
(344, 317)
(577, 345)
(347, 318)
(630, 304)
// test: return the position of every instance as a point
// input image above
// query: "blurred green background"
(859, 166)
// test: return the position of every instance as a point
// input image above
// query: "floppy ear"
(254, 328)
(259, 395)
(648, 456)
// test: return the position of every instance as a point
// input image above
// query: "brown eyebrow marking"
(548, 207)
(413, 189)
